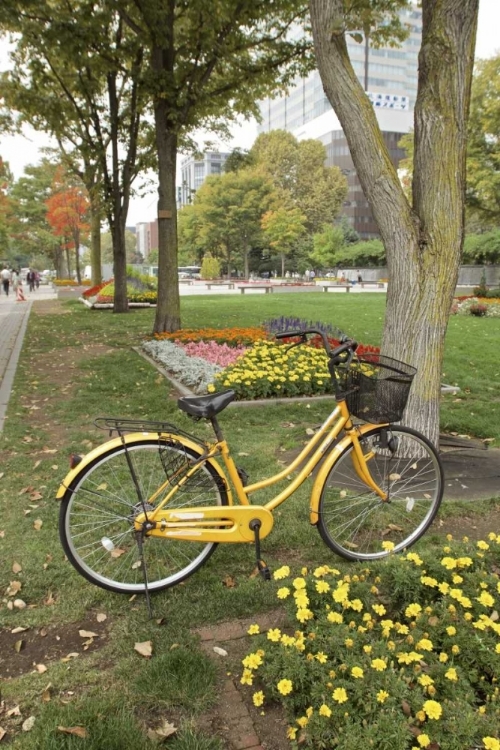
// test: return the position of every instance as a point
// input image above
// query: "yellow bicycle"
(146, 509)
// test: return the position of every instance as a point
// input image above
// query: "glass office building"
(195, 170)
(389, 76)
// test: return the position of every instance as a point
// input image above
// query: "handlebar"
(347, 346)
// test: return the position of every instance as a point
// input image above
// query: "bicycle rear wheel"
(96, 521)
(354, 521)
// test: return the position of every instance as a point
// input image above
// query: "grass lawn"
(77, 365)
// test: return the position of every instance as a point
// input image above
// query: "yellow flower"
(490, 743)
(258, 698)
(382, 696)
(309, 712)
(451, 630)
(340, 695)
(247, 677)
(425, 644)
(253, 630)
(432, 709)
(291, 733)
(349, 642)
(322, 587)
(449, 563)
(303, 721)
(299, 583)
(428, 581)
(379, 609)
(325, 711)
(483, 545)
(420, 715)
(357, 672)
(274, 634)
(334, 617)
(281, 573)
(413, 557)
(425, 680)
(457, 579)
(321, 657)
(283, 593)
(413, 610)
(304, 614)
(388, 546)
(451, 674)
(379, 665)
(341, 594)
(367, 649)
(497, 648)
(455, 649)
(485, 599)
(444, 587)
(252, 661)
(464, 562)
(423, 740)
(356, 605)
(443, 657)
(285, 687)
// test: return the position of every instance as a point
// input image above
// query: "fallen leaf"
(36, 496)
(406, 708)
(87, 634)
(13, 588)
(16, 568)
(2, 730)
(18, 646)
(37, 464)
(28, 724)
(117, 552)
(19, 604)
(78, 731)
(18, 630)
(40, 668)
(37, 525)
(46, 696)
(309, 431)
(229, 582)
(101, 617)
(433, 621)
(16, 711)
(136, 565)
(144, 649)
(25, 490)
(166, 729)
(394, 477)
(220, 651)
(49, 601)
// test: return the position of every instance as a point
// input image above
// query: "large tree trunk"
(168, 316)
(76, 240)
(120, 301)
(423, 242)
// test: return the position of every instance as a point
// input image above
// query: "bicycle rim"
(355, 522)
(98, 510)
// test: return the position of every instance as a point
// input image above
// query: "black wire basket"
(375, 387)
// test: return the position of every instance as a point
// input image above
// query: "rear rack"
(121, 426)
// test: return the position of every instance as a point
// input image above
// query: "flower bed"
(478, 306)
(229, 336)
(399, 655)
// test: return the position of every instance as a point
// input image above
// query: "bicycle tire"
(99, 507)
(354, 521)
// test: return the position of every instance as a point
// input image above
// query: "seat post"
(217, 429)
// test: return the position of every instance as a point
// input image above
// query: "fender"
(327, 465)
(130, 439)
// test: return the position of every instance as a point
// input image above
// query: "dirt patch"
(473, 525)
(35, 648)
(50, 307)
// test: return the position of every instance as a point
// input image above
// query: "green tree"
(78, 75)
(297, 169)
(282, 228)
(130, 247)
(482, 248)
(328, 244)
(483, 155)
(423, 237)
(208, 62)
(225, 217)
(6, 180)
(210, 267)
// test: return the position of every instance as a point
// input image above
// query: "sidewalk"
(13, 321)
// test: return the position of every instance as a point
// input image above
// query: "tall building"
(146, 234)
(389, 76)
(195, 170)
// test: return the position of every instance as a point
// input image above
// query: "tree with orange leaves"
(67, 214)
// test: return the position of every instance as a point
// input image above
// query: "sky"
(20, 151)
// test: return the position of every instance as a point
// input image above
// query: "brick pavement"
(242, 732)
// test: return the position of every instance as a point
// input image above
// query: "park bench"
(186, 281)
(229, 284)
(267, 287)
(378, 284)
(326, 287)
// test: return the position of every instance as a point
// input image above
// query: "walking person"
(6, 277)
(14, 280)
(30, 278)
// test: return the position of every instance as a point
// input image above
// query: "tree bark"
(423, 242)
(168, 317)
(95, 242)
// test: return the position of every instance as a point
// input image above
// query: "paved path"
(13, 321)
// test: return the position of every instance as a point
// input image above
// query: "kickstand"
(261, 565)
(138, 538)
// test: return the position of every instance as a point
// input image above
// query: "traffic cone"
(20, 294)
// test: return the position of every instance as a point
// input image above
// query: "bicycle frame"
(231, 523)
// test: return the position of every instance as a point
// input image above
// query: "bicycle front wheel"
(354, 521)
(96, 521)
